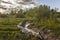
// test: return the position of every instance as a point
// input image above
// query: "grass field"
(9, 30)
(42, 17)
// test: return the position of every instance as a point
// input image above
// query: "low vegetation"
(42, 16)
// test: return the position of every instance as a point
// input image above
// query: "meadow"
(43, 17)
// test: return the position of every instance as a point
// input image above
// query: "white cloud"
(14, 4)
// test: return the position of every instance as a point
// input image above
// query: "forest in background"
(42, 16)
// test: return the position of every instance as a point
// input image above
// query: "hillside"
(42, 17)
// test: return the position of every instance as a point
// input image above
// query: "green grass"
(9, 30)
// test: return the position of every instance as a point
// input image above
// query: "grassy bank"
(43, 17)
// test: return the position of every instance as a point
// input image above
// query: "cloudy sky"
(51, 3)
